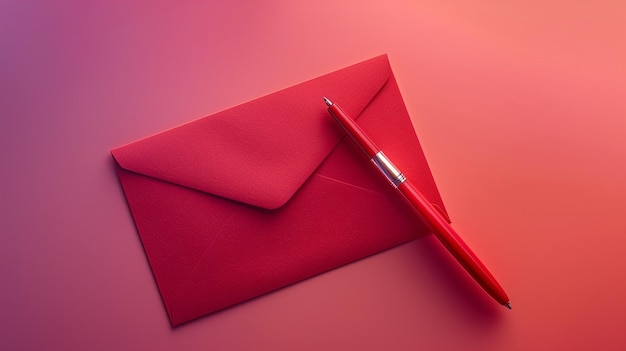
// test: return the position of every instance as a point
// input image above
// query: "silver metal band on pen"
(387, 168)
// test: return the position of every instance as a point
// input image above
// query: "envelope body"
(271, 192)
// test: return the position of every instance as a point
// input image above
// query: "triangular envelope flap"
(262, 151)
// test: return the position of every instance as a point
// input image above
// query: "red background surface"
(519, 107)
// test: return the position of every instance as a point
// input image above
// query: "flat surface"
(520, 110)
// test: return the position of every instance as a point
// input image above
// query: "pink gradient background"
(520, 109)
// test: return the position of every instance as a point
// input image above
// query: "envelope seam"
(348, 184)
(197, 263)
(373, 97)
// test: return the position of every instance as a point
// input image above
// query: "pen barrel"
(452, 241)
(354, 131)
(422, 207)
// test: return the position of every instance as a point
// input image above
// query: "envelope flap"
(263, 151)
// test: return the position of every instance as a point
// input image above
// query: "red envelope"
(271, 192)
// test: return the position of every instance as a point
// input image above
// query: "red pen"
(422, 207)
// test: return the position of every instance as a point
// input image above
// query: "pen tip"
(328, 102)
(508, 305)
